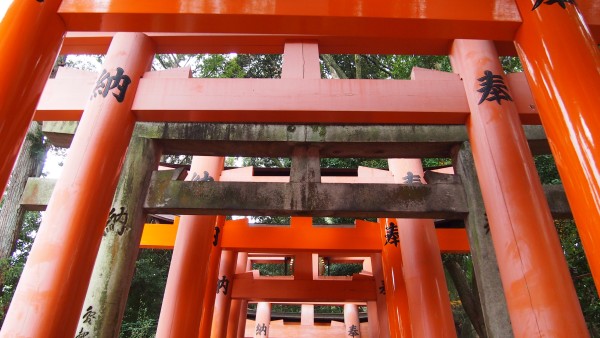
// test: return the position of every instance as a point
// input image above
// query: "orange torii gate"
(239, 236)
(547, 36)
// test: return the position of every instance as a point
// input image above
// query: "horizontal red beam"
(280, 290)
(238, 236)
(191, 43)
(426, 19)
(285, 100)
(365, 237)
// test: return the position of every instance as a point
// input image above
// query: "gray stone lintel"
(438, 200)
(442, 199)
(260, 140)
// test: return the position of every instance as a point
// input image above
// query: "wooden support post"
(394, 285)
(50, 295)
(351, 320)
(31, 33)
(306, 167)
(561, 61)
(109, 286)
(236, 304)
(485, 264)
(263, 319)
(223, 290)
(382, 310)
(208, 300)
(426, 288)
(530, 258)
(180, 313)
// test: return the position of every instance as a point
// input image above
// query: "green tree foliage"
(396, 67)
(146, 293)
(11, 268)
(342, 269)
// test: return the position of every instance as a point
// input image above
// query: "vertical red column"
(426, 288)
(263, 319)
(394, 284)
(530, 258)
(223, 290)
(561, 61)
(30, 37)
(382, 311)
(208, 302)
(180, 313)
(49, 297)
(351, 320)
(237, 304)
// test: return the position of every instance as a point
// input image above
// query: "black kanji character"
(493, 88)
(353, 331)
(382, 288)
(561, 3)
(89, 315)
(82, 334)
(411, 178)
(223, 283)
(116, 222)
(106, 83)
(206, 178)
(261, 329)
(216, 236)
(391, 234)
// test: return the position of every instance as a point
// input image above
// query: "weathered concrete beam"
(441, 200)
(37, 193)
(255, 140)
(266, 198)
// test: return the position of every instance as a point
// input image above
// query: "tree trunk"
(336, 70)
(469, 303)
(29, 164)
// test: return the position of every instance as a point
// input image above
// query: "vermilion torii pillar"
(236, 304)
(539, 292)
(394, 284)
(208, 301)
(180, 313)
(426, 290)
(561, 62)
(382, 310)
(49, 297)
(351, 320)
(31, 33)
(223, 289)
(263, 319)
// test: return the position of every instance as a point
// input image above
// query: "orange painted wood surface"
(50, 295)
(281, 329)
(282, 290)
(30, 38)
(495, 19)
(440, 101)
(562, 63)
(239, 237)
(530, 257)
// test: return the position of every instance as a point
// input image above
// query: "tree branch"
(334, 67)
(469, 303)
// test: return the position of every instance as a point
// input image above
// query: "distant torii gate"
(548, 36)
